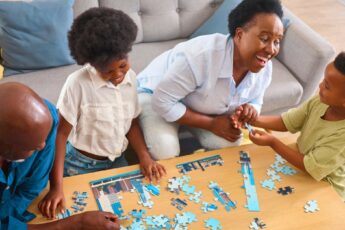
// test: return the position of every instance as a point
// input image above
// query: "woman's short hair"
(248, 9)
(101, 35)
(339, 62)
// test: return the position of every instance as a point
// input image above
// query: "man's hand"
(222, 126)
(94, 220)
(151, 169)
(261, 138)
(52, 203)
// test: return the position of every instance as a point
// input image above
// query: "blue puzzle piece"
(287, 170)
(137, 214)
(188, 189)
(213, 224)
(269, 184)
(311, 206)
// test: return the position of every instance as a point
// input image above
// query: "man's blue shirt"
(24, 181)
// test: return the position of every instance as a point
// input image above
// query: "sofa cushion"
(33, 34)
(148, 51)
(159, 20)
(284, 91)
(218, 22)
(47, 83)
(213, 25)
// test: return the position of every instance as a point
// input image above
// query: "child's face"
(332, 87)
(116, 71)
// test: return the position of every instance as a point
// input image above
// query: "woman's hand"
(151, 169)
(52, 203)
(222, 126)
(245, 113)
(261, 138)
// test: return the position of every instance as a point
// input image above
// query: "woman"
(200, 82)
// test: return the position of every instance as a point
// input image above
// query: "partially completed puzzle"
(107, 193)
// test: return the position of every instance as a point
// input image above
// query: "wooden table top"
(276, 211)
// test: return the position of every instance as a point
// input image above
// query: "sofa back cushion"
(33, 34)
(159, 20)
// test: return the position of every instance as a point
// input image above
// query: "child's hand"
(261, 138)
(53, 201)
(151, 169)
(245, 113)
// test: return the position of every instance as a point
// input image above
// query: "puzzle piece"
(137, 225)
(178, 203)
(64, 215)
(222, 196)
(287, 170)
(153, 189)
(276, 177)
(269, 184)
(285, 191)
(249, 127)
(279, 159)
(195, 197)
(185, 218)
(311, 206)
(188, 189)
(158, 222)
(208, 207)
(174, 185)
(270, 172)
(213, 224)
(257, 224)
(137, 214)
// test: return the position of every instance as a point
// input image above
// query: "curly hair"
(247, 9)
(101, 35)
(339, 62)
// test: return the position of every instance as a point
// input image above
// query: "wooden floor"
(327, 17)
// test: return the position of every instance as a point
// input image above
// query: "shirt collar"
(98, 81)
(227, 67)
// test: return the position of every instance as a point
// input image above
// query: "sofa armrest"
(305, 53)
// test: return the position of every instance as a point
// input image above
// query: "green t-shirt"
(321, 142)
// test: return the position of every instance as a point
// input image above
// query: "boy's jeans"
(77, 163)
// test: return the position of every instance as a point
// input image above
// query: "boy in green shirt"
(321, 121)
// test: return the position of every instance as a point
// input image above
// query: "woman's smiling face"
(259, 41)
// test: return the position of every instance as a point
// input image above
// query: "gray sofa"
(164, 23)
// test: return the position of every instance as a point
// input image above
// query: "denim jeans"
(77, 163)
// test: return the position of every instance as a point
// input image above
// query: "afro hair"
(339, 62)
(101, 35)
(247, 10)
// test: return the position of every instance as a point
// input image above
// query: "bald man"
(28, 127)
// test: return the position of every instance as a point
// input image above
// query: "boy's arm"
(265, 139)
(55, 198)
(274, 123)
(149, 167)
(291, 155)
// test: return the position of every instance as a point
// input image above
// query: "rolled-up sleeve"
(294, 119)
(325, 158)
(178, 82)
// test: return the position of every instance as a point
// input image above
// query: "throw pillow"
(218, 22)
(33, 34)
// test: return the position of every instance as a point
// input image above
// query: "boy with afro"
(321, 121)
(98, 105)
